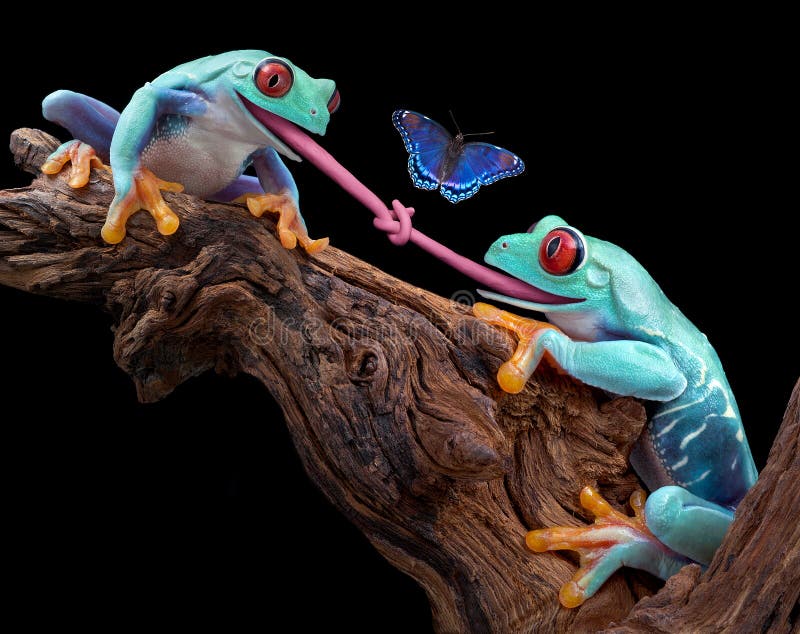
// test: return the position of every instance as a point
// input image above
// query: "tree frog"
(614, 329)
(200, 124)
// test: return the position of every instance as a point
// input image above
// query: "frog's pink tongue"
(306, 147)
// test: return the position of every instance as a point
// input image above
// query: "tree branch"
(388, 392)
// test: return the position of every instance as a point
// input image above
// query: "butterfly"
(439, 160)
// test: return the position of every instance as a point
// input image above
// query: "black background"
(666, 135)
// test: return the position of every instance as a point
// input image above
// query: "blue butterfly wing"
(491, 163)
(426, 143)
(426, 168)
(479, 164)
(462, 182)
(420, 133)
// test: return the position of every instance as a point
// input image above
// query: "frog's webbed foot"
(513, 374)
(83, 159)
(613, 541)
(144, 193)
(291, 228)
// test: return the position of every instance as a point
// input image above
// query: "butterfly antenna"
(455, 123)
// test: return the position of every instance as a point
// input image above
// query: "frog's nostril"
(504, 245)
(313, 112)
(334, 101)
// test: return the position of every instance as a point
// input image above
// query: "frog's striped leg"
(613, 541)
(280, 197)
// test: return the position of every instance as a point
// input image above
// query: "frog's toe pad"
(83, 159)
(612, 541)
(112, 233)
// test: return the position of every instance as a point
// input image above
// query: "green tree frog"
(200, 125)
(614, 329)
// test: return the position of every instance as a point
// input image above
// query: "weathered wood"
(388, 391)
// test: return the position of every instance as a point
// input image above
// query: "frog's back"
(205, 69)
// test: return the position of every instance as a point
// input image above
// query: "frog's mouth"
(260, 119)
(277, 127)
(545, 304)
(541, 301)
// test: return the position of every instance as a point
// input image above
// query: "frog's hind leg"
(613, 541)
(247, 189)
(91, 123)
(278, 194)
(242, 188)
(87, 119)
(687, 523)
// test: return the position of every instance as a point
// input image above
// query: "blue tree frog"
(615, 329)
(201, 125)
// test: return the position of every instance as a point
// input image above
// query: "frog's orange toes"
(515, 372)
(291, 228)
(612, 541)
(83, 158)
(144, 194)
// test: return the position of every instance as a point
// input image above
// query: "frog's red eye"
(562, 251)
(273, 77)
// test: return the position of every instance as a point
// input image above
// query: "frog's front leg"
(628, 368)
(280, 196)
(142, 190)
(135, 186)
(515, 372)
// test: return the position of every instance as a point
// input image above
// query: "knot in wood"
(167, 301)
(366, 362)
(369, 365)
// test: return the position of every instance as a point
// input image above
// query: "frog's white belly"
(202, 161)
(205, 153)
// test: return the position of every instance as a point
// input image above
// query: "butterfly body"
(454, 150)
(440, 160)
